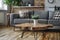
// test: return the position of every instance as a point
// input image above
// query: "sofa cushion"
(16, 21)
(42, 14)
(54, 22)
(16, 16)
(51, 14)
(43, 21)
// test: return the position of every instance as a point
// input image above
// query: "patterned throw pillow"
(25, 14)
(22, 13)
(28, 14)
(56, 15)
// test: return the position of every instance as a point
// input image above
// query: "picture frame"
(51, 1)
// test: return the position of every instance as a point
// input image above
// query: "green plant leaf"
(35, 16)
(13, 2)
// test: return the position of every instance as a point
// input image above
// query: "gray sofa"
(45, 17)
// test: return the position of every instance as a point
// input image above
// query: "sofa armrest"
(11, 19)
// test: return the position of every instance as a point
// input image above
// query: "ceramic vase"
(35, 22)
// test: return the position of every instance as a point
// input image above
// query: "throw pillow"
(23, 13)
(56, 15)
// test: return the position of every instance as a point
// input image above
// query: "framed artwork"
(51, 1)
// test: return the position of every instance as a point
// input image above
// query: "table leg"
(22, 34)
(14, 28)
(35, 35)
(43, 35)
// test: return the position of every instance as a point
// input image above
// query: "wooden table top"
(31, 25)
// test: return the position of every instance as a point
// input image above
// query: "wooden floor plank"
(7, 33)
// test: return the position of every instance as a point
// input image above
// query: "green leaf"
(35, 16)
(12, 2)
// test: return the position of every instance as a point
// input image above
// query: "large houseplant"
(11, 3)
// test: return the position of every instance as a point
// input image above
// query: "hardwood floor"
(7, 33)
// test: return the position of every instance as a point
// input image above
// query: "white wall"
(3, 18)
(47, 5)
(58, 3)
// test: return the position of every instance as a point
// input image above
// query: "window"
(2, 6)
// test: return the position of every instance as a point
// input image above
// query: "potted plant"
(11, 3)
(35, 21)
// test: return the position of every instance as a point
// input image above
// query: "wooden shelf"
(17, 8)
(28, 7)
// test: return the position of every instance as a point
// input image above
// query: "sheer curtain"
(2, 5)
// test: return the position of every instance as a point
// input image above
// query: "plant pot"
(35, 22)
